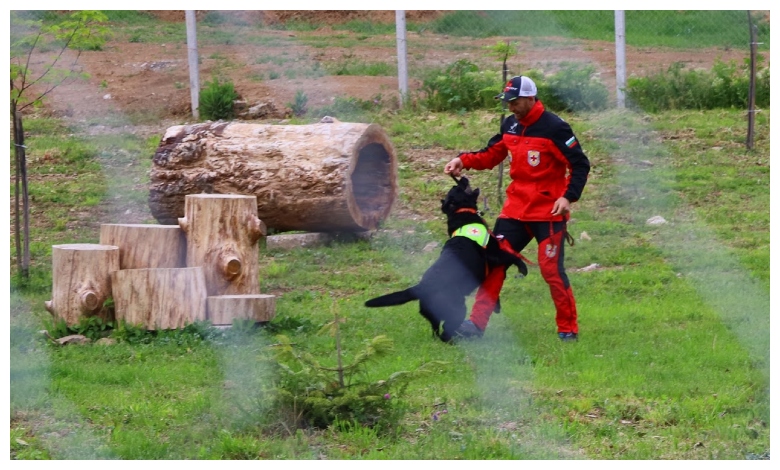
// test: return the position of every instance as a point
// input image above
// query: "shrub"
(299, 105)
(460, 87)
(322, 395)
(216, 100)
(726, 85)
(574, 88)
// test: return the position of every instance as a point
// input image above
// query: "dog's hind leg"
(454, 316)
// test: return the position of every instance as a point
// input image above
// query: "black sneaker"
(468, 329)
(566, 337)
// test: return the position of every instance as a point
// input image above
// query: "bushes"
(574, 88)
(216, 100)
(462, 87)
(724, 86)
(321, 395)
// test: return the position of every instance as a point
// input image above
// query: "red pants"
(549, 236)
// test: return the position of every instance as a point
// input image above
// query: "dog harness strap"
(476, 232)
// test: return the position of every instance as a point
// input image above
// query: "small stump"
(144, 246)
(81, 281)
(160, 298)
(222, 236)
(223, 309)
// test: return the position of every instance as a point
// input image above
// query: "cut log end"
(372, 179)
(231, 267)
(89, 301)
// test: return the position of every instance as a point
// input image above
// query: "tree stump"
(160, 298)
(144, 246)
(223, 309)
(222, 236)
(326, 177)
(81, 281)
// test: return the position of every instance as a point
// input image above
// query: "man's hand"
(561, 206)
(453, 167)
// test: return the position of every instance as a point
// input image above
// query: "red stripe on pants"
(550, 265)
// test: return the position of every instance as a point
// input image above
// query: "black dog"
(461, 267)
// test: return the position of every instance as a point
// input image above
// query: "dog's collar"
(466, 209)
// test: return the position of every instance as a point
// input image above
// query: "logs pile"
(168, 276)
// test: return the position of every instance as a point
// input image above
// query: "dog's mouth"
(463, 183)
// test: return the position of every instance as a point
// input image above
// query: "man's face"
(520, 106)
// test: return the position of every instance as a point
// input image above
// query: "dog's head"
(460, 196)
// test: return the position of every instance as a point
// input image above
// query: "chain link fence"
(548, 41)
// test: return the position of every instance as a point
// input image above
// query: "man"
(548, 170)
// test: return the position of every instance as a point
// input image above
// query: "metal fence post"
(400, 34)
(192, 60)
(620, 57)
(752, 84)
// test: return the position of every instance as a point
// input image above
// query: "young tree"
(79, 31)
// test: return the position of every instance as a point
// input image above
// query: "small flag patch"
(571, 142)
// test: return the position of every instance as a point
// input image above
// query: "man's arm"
(571, 149)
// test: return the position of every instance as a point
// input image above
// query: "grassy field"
(673, 360)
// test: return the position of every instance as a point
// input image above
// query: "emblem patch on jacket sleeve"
(533, 157)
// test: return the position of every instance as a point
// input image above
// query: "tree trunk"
(325, 177)
(222, 232)
(81, 281)
(223, 309)
(22, 239)
(17, 183)
(160, 298)
(146, 246)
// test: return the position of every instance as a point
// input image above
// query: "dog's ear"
(475, 194)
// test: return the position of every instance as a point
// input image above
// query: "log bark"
(160, 298)
(222, 233)
(320, 177)
(81, 281)
(144, 246)
(223, 309)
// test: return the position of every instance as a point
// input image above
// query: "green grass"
(360, 68)
(648, 28)
(672, 363)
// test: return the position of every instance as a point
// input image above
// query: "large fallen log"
(326, 177)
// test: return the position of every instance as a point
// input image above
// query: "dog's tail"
(396, 298)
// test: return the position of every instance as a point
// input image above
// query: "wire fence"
(546, 41)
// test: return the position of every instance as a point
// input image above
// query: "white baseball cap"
(517, 86)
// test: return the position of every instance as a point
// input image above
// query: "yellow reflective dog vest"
(476, 232)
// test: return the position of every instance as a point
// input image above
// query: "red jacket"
(546, 162)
